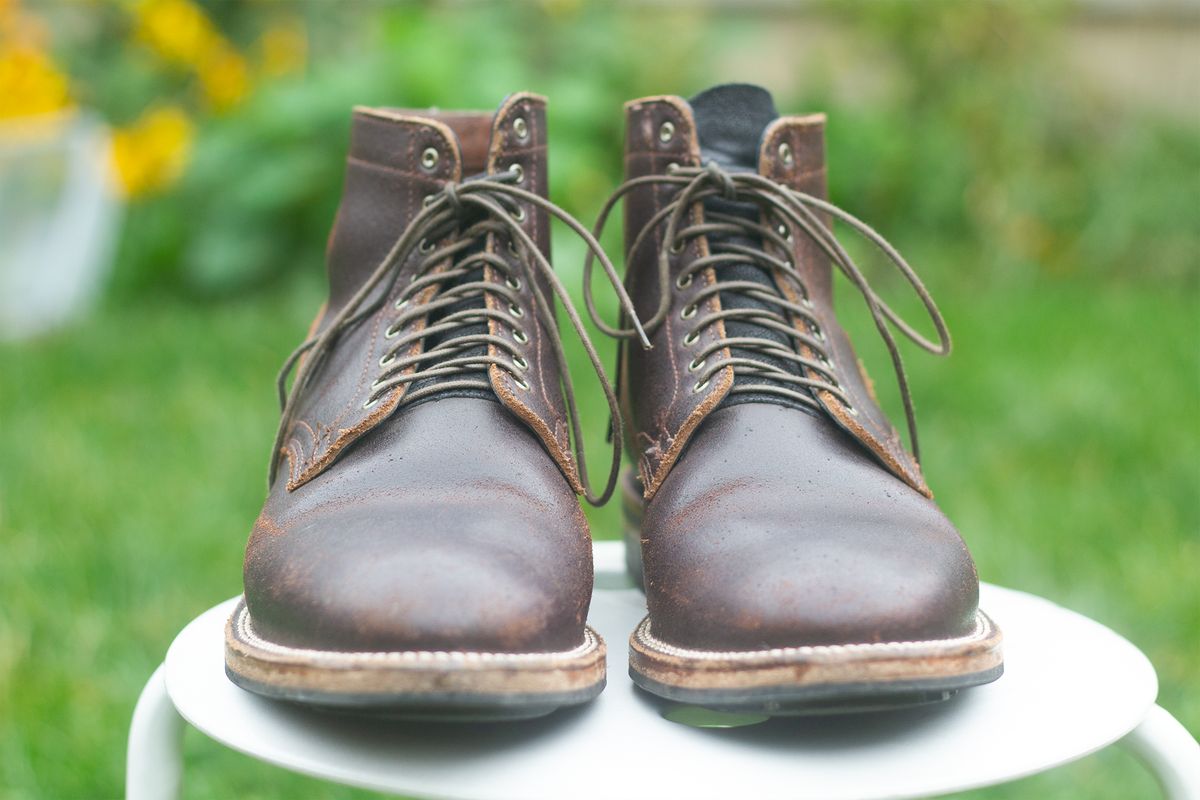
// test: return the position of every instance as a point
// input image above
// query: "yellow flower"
(30, 83)
(151, 153)
(284, 49)
(224, 78)
(177, 30)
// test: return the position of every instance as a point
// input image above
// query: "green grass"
(1062, 438)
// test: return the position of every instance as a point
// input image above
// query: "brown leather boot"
(794, 560)
(422, 550)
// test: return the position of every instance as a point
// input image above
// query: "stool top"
(1071, 686)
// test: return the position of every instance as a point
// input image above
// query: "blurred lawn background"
(1046, 189)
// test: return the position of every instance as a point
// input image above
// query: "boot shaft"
(668, 391)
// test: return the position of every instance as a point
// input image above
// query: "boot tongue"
(475, 329)
(730, 121)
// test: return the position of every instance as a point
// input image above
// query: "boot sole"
(415, 684)
(819, 679)
(804, 680)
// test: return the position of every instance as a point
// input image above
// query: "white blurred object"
(59, 216)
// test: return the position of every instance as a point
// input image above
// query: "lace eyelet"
(700, 386)
(520, 336)
(425, 246)
(666, 131)
(399, 304)
(690, 339)
(695, 365)
(521, 382)
(430, 157)
(512, 248)
(519, 214)
(391, 332)
(521, 128)
(853, 411)
(684, 281)
(387, 359)
(677, 246)
(672, 168)
(371, 402)
(784, 231)
(513, 283)
(818, 334)
(520, 362)
(516, 310)
(785, 154)
(517, 168)
(688, 311)
(428, 200)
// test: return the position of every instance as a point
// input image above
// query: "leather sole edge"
(425, 684)
(789, 679)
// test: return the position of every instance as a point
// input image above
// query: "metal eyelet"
(428, 200)
(817, 333)
(521, 128)
(517, 168)
(519, 214)
(784, 231)
(695, 365)
(370, 402)
(512, 283)
(521, 382)
(391, 332)
(666, 131)
(806, 302)
(399, 304)
(853, 411)
(673, 167)
(430, 157)
(387, 359)
(684, 281)
(691, 339)
(520, 362)
(520, 336)
(677, 246)
(425, 246)
(516, 310)
(688, 312)
(786, 155)
(701, 386)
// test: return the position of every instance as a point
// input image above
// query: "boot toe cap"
(348, 582)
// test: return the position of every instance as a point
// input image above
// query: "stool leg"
(154, 760)
(1169, 752)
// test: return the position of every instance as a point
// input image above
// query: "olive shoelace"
(448, 233)
(785, 211)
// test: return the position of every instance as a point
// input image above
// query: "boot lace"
(450, 288)
(785, 212)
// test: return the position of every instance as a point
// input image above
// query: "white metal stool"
(1071, 687)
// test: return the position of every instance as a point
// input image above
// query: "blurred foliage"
(1012, 158)
(1049, 223)
(1009, 153)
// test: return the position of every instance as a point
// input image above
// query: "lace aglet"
(641, 332)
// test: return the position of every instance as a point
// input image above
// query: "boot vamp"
(448, 528)
(776, 530)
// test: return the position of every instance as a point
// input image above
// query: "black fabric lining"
(730, 122)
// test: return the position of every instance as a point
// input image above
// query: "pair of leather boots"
(423, 552)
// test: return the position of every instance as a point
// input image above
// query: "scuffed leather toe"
(431, 557)
(822, 547)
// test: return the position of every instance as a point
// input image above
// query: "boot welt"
(462, 685)
(817, 679)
